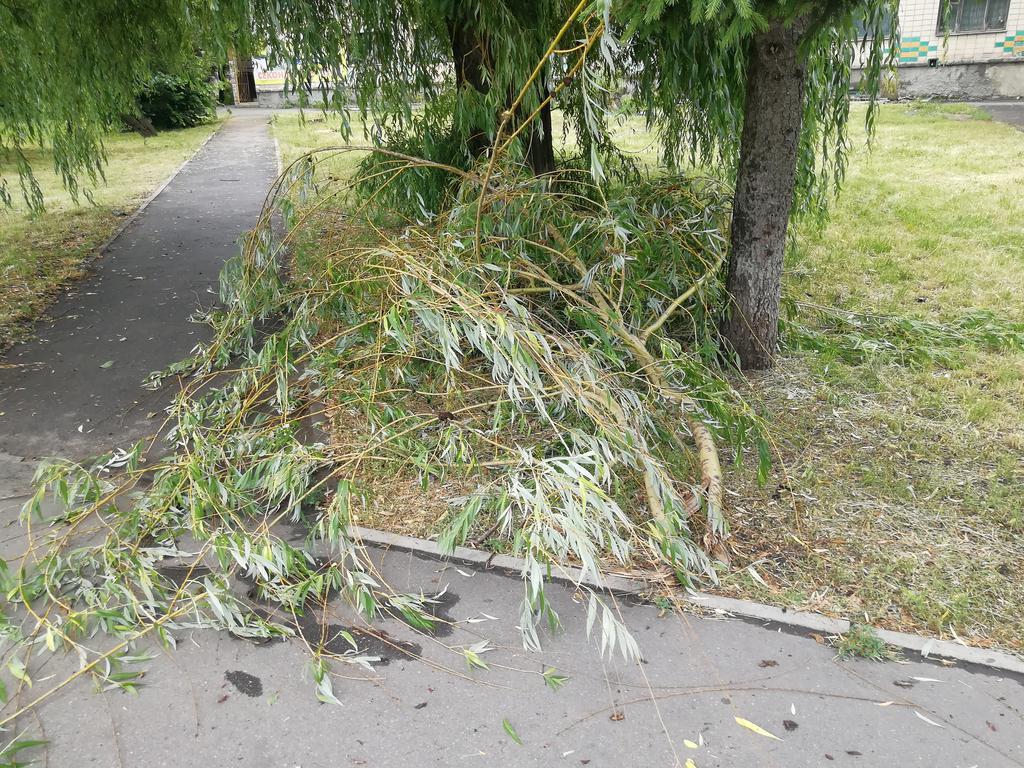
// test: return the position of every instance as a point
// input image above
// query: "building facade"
(961, 49)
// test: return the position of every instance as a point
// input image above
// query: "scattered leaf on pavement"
(756, 728)
(930, 722)
(553, 680)
(511, 732)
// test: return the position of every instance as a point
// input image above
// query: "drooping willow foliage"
(71, 68)
(689, 64)
(566, 323)
(565, 335)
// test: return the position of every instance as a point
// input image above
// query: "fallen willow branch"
(560, 369)
(711, 470)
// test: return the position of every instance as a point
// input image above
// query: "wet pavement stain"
(438, 608)
(369, 642)
(376, 642)
(380, 643)
(331, 638)
(181, 573)
(245, 683)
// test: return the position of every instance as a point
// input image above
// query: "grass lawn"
(902, 501)
(40, 253)
(898, 492)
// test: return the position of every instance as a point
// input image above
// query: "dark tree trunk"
(469, 55)
(141, 125)
(540, 145)
(765, 185)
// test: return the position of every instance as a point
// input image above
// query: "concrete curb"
(631, 586)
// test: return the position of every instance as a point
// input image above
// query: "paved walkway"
(132, 314)
(1010, 112)
(216, 701)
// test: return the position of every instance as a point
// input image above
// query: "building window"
(863, 33)
(973, 16)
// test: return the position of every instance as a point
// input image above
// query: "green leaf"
(417, 619)
(473, 660)
(17, 668)
(511, 732)
(553, 680)
(17, 746)
(474, 652)
(107, 364)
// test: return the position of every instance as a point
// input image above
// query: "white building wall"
(963, 65)
(922, 42)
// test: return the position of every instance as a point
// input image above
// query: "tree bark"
(469, 55)
(141, 125)
(765, 185)
(468, 58)
(540, 144)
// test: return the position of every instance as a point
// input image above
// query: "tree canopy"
(695, 54)
(71, 67)
(573, 320)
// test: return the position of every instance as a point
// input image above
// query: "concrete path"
(132, 314)
(216, 701)
(1010, 112)
(74, 389)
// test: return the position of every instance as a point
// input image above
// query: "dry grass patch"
(891, 507)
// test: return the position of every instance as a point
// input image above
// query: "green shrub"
(176, 101)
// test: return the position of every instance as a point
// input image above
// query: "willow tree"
(67, 70)
(761, 89)
(572, 322)
(383, 57)
(479, 67)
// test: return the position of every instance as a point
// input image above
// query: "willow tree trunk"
(765, 185)
(469, 54)
(468, 58)
(540, 144)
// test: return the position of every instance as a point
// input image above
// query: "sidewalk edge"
(631, 586)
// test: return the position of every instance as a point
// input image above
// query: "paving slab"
(1010, 112)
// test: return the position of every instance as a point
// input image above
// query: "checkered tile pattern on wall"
(1012, 44)
(916, 49)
